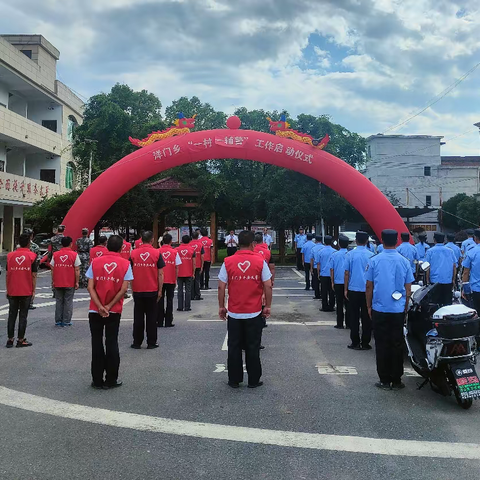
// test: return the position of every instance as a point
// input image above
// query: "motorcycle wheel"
(464, 403)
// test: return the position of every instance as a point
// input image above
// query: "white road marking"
(331, 370)
(221, 367)
(301, 275)
(205, 320)
(225, 343)
(410, 372)
(49, 304)
(312, 441)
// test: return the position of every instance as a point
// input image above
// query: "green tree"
(469, 212)
(450, 211)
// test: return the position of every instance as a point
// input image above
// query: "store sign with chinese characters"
(25, 189)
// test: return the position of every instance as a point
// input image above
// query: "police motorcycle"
(442, 345)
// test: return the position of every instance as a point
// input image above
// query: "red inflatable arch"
(231, 143)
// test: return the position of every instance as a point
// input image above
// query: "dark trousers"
(306, 266)
(299, 259)
(166, 314)
(18, 306)
(196, 285)
(443, 294)
(205, 276)
(328, 295)
(184, 297)
(316, 283)
(341, 303)
(244, 333)
(476, 301)
(104, 360)
(388, 329)
(231, 251)
(358, 310)
(145, 312)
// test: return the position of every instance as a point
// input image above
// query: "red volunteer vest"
(186, 256)
(138, 243)
(64, 268)
(169, 255)
(262, 248)
(245, 285)
(145, 270)
(126, 250)
(207, 246)
(97, 251)
(19, 272)
(108, 273)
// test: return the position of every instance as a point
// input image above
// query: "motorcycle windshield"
(424, 294)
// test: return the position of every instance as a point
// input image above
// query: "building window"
(28, 53)
(69, 176)
(72, 124)
(428, 201)
(427, 171)
(47, 175)
(2, 165)
(50, 124)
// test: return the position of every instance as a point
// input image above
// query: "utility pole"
(89, 140)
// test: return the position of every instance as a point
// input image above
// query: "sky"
(370, 64)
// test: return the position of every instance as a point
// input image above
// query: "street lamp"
(89, 140)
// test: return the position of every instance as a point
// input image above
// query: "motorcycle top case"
(456, 321)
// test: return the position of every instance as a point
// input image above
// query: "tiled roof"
(456, 161)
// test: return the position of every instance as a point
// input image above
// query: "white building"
(411, 168)
(37, 117)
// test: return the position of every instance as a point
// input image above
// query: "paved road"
(175, 417)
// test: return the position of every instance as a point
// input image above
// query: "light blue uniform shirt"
(337, 263)
(307, 250)
(441, 260)
(389, 273)
(456, 251)
(324, 260)
(422, 250)
(316, 253)
(371, 247)
(467, 245)
(407, 250)
(472, 261)
(300, 240)
(356, 262)
(380, 248)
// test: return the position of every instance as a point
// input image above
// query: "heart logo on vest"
(205, 242)
(261, 251)
(144, 256)
(110, 267)
(99, 254)
(195, 247)
(64, 258)
(184, 252)
(20, 260)
(244, 266)
(166, 255)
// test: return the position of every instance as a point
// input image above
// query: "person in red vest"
(186, 273)
(65, 276)
(263, 249)
(21, 283)
(125, 253)
(139, 242)
(207, 244)
(248, 278)
(170, 274)
(100, 249)
(199, 255)
(108, 278)
(147, 266)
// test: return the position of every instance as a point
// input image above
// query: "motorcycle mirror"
(397, 295)
(425, 266)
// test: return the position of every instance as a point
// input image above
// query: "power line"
(435, 99)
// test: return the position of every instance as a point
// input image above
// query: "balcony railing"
(25, 189)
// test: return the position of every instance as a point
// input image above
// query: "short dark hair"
(115, 243)
(196, 234)
(186, 239)
(204, 232)
(61, 228)
(167, 239)
(245, 238)
(309, 236)
(258, 237)
(24, 240)
(405, 236)
(147, 236)
(66, 241)
(327, 240)
(318, 238)
(343, 241)
(102, 240)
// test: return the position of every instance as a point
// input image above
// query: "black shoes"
(171, 325)
(340, 327)
(136, 347)
(188, 309)
(262, 347)
(233, 384)
(398, 386)
(354, 347)
(32, 307)
(327, 310)
(9, 344)
(152, 346)
(97, 386)
(383, 385)
(197, 298)
(107, 386)
(366, 347)
(23, 343)
(317, 298)
(255, 385)
(179, 309)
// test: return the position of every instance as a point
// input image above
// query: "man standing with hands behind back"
(248, 278)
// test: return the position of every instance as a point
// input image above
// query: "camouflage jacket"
(35, 248)
(56, 242)
(84, 244)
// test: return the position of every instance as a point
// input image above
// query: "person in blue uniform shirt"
(389, 281)
(313, 265)
(468, 243)
(422, 246)
(451, 245)
(356, 261)
(471, 270)
(300, 240)
(443, 269)
(337, 275)
(323, 271)
(307, 258)
(407, 250)
(371, 246)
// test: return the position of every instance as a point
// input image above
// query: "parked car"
(352, 239)
(43, 241)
